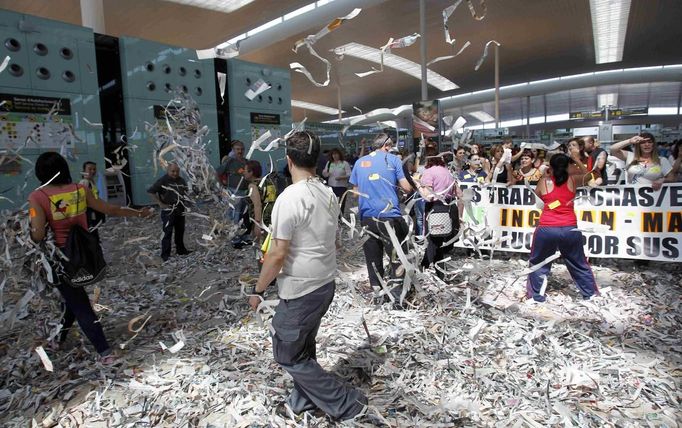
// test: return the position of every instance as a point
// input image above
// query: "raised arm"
(617, 149)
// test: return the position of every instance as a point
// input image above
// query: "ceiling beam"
(548, 86)
(313, 20)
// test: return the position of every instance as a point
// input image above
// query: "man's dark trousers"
(172, 220)
(296, 323)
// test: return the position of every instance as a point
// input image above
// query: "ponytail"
(559, 164)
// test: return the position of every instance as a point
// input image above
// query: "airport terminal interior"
(371, 213)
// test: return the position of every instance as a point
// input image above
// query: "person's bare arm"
(405, 185)
(257, 210)
(113, 210)
(38, 220)
(617, 149)
(272, 265)
(671, 176)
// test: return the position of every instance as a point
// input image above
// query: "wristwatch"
(253, 291)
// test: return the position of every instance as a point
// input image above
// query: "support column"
(422, 47)
(528, 117)
(92, 15)
(497, 86)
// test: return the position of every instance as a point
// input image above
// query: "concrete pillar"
(92, 15)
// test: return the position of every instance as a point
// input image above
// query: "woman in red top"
(557, 230)
(61, 204)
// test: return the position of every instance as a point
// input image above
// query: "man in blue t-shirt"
(376, 177)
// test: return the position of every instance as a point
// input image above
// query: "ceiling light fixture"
(225, 6)
(315, 107)
(482, 116)
(609, 25)
(395, 62)
(607, 100)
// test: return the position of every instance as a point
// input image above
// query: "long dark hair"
(559, 164)
(48, 165)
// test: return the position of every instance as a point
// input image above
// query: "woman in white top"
(337, 172)
(643, 165)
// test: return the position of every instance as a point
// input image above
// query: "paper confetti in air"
(311, 40)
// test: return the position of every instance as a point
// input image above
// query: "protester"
(438, 188)
(476, 149)
(337, 172)
(527, 171)
(474, 173)
(596, 160)
(576, 151)
(643, 166)
(500, 172)
(376, 177)
(230, 174)
(459, 163)
(302, 256)
(258, 210)
(514, 153)
(62, 205)
(169, 193)
(88, 181)
(557, 230)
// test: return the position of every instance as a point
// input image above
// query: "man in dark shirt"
(596, 162)
(169, 192)
(230, 173)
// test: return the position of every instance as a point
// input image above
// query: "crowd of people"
(302, 222)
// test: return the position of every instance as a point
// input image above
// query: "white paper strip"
(45, 359)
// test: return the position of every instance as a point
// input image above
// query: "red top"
(558, 210)
(63, 208)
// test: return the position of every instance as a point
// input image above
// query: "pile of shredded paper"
(468, 352)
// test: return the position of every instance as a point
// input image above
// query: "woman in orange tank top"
(557, 230)
(60, 204)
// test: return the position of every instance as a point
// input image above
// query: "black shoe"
(165, 258)
(183, 252)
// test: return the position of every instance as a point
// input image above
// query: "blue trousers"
(296, 323)
(569, 242)
(419, 216)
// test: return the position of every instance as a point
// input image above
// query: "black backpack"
(84, 263)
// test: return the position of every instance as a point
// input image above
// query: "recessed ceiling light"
(225, 6)
(609, 25)
(315, 107)
(482, 116)
(395, 62)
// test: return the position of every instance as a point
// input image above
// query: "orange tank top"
(64, 206)
(558, 210)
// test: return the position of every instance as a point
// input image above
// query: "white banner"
(632, 222)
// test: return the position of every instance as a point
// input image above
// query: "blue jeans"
(235, 214)
(569, 241)
(419, 216)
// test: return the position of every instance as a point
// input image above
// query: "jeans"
(235, 214)
(419, 216)
(296, 323)
(77, 307)
(172, 221)
(569, 241)
(339, 191)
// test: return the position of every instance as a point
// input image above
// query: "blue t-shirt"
(377, 175)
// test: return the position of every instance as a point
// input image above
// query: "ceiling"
(539, 38)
